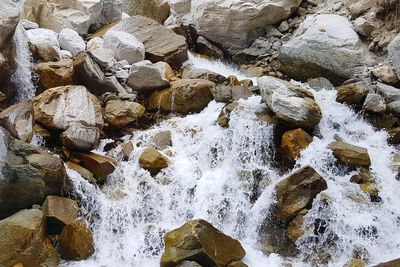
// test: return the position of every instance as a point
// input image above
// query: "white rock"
(125, 16)
(394, 54)
(125, 46)
(29, 25)
(104, 57)
(80, 137)
(9, 18)
(145, 76)
(44, 44)
(65, 54)
(96, 42)
(71, 41)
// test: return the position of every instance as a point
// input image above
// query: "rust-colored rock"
(293, 142)
(153, 161)
(54, 74)
(76, 241)
(100, 166)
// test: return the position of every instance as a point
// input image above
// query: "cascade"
(212, 175)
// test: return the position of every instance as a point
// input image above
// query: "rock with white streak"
(81, 137)
(18, 120)
(44, 44)
(71, 41)
(125, 46)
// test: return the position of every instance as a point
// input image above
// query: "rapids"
(212, 175)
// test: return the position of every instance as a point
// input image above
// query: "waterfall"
(213, 174)
(22, 77)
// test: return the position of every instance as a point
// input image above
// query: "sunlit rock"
(59, 211)
(153, 161)
(54, 74)
(293, 142)
(76, 241)
(18, 120)
(44, 44)
(125, 46)
(350, 155)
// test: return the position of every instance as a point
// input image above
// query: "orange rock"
(293, 142)
(54, 74)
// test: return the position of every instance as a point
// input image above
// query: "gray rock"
(125, 46)
(71, 41)
(29, 25)
(144, 76)
(284, 26)
(271, 31)
(104, 57)
(375, 103)
(394, 107)
(205, 47)
(80, 137)
(363, 27)
(9, 14)
(44, 44)
(394, 54)
(320, 83)
(390, 93)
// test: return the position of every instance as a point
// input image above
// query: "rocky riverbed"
(222, 133)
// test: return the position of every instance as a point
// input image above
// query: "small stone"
(153, 161)
(363, 27)
(162, 139)
(100, 166)
(375, 103)
(293, 142)
(353, 93)
(350, 155)
(319, 84)
(284, 26)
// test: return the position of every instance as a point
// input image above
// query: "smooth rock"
(350, 155)
(394, 54)
(95, 42)
(153, 161)
(120, 113)
(144, 76)
(319, 84)
(76, 241)
(29, 25)
(293, 142)
(199, 240)
(71, 41)
(54, 74)
(104, 57)
(162, 139)
(80, 137)
(374, 103)
(363, 27)
(44, 44)
(100, 166)
(9, 14)
(85, 173)
(166, 71)
(390, 93)
(18, 120)
(59, 211)
(125, 46)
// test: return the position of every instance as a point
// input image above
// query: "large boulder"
(79, 15)
(198, 241)
(44, 44)
(155, 9)
(161, 43)
(120, 113)
(54, 74)
(153, 161)
(76, 241)
(71, 41)
(27, 175)
(125, 46)
(350, 155)
(394, 54)
(236, 24)
(23, 241)
(184, 96)
(144, 76)
(9, 18)
(60, 107)
(325, 45)
(296, 192)
(291, 104)
(59, 211)
(18, 120)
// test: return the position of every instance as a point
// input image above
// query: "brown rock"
(59, 211)
(76, 241)
(153, 161)
(86, 174)
(394, 136)
(100, 166)
(54, 74)
(353, 93)
(18, 120)
(293, 142)
(295, 230)
(350, 155)
(393, 263)
(120, 113)
(39, 130)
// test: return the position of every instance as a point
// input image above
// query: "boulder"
(394, 54)
(374, 103)
(353, 93)
(81, 137)
(89, 74)
(235, 25)
(18, 120)
(144, 76)
(350, 155)
(184, 96)
(44, 44)
(9, 14)
(85, 173)
(60, 107)
(166, 71)
(54, 74)
(120, 113)
(23, 241)
(293, 142)
(202, 243)
(95, 42)
(195, 73)
(325, 45)
(100, 166)
(76, 241)
(296, 192)
(28, 175)
(71, 41)
(161, 43)
(392, 263)
(386, 74)
(125, 46)
(153, 161)
(103, 57)
(59, 211)
(162, 139)
(291, 104)
(155, 9)
(392, 97)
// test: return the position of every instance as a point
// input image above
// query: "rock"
(319, 84)
(9, 14)
(394, 136)
(155, 9)
(393, 263)
(54, 74)
(295, 230)
(23, 241)
(260, 47)
(18, 120)
(205, 47)
(162, 139)
(296, 192)
(125, 46)
(39, 130)
(95, 42)
(293, 142)
(104, 57)
(59, 211)
(240, 92)
(188, 264)
(89, 74)
(225, 114)
(394, 54)
(144, 76)
(350, 155)
(291, 104)
(71, 41)
(27, 175)
(236, 25)
(325, 45)
(60, 107)
(198, 240)
(44, 44)
(120, 113)
(394, 107)
(100, 166)
(86, 174)
(226, 93)
(386, 74)
(64, 54)
(392, 97)
(76, 241)
(374, 103)
(283, 27)
(81, 137)
(353, 93)
(184, 96)
(161, 43)
(363, 27)
(29, 25)
(205, 74)
(3, 66)
(166, 71)
(153, 161)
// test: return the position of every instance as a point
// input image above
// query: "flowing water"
(22, 77)
(213, 174)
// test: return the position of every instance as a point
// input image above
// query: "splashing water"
(213, 176)
(22, 77)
